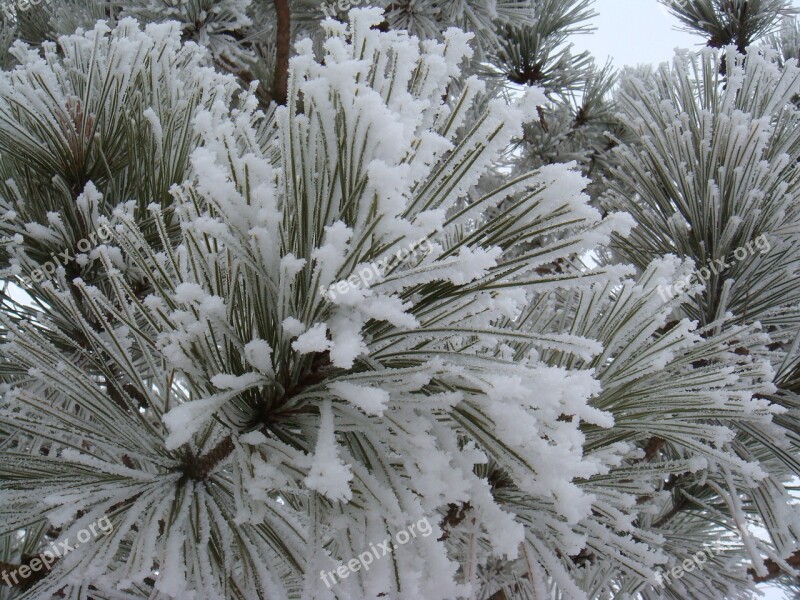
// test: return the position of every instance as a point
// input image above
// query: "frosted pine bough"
(332, 396)
(712, 168)
(265, 434)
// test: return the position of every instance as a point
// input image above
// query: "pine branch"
(653, 447)
(201, 467)
(678, 506)
(283, 41)
(413, 371)
(456, 513)
(774, 570)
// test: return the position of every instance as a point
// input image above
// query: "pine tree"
(738, 23)
(711, 180)
(281, 290)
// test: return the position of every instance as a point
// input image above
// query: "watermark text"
(387, 546)
(57, 549)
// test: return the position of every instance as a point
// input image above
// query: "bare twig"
(280, 83)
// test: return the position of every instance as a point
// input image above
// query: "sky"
(632, 32)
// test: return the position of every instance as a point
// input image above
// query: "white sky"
(632, 32)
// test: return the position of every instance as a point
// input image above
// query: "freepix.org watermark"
(714, 267)
(387, 546)
(697, 560)
(11, 9)
(58, 549)
(102, 234)
(373, 272)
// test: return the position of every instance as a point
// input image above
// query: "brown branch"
(653, 447)
(456, 513)
(198, 468)
(116, 396)
(651, 451)
(678, 506)
(126, 460)
(320, 370)
(774, 570)
(280, 83)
